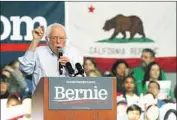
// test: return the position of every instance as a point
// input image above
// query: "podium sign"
(75, 98)
(80, 93)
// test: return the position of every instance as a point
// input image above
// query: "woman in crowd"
(120, 71)
(153, 73)
(130, 88)
(90, 68)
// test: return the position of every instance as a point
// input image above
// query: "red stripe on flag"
(168, 64)
(14, 47)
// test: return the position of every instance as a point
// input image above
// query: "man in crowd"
(44, 60)
(148, 56)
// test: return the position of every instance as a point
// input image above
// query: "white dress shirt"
(130, 99)
(44, 63)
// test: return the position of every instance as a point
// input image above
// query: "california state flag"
(120, 30)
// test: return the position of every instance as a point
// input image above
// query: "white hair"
(49, 28)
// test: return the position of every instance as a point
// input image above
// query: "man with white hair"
(43, 61)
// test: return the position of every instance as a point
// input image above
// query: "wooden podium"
(41, 111)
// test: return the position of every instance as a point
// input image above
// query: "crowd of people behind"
(139, 93)
(143, 92)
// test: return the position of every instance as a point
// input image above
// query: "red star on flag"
(91, 9)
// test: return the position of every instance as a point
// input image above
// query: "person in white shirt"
(129, 93)
(44, 61)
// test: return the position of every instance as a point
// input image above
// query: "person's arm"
(27, 62)
(19, 79)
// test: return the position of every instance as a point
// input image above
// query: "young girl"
(130, 88)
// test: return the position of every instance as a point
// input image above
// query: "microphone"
(80, 69)
(60, 53)
(69, 68)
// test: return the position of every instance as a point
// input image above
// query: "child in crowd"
(133, 112)
(130, 88)
(154, 89)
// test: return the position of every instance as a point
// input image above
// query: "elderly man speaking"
(44, 60)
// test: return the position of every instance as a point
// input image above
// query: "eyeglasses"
(58, 38)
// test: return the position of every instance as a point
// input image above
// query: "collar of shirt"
(52, 53)
(50, 50)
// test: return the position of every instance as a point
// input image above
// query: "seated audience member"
(134, 112)
(4, 88)
(120, 71)
(13, 100)
(90, 68)
(153, 73)
(152, 112)
(147, 57)
(129, 93)
(154, 89)
(168, 111)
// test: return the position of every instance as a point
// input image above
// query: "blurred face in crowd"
(153, 89)
(13, 102)
(146, 58)
(120, 70)
(129, 84)
(88, 66)
(152, 113)
(155, 72)
(57, 37)
(134, 115)
(4, 87)
(121, 108)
